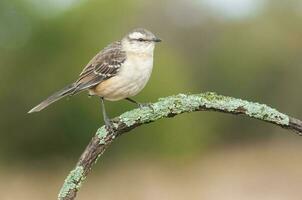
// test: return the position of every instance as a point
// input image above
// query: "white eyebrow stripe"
(136, 35)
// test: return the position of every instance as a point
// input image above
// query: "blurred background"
(249, 49)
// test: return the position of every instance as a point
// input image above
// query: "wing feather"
(104, 65)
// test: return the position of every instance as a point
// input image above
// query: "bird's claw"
(109, 125)
(144, 105)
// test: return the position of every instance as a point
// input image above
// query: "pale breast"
(130, 80)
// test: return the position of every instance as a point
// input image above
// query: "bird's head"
(140, 40)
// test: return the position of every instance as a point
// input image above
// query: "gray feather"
(54, 97)
(104, 65)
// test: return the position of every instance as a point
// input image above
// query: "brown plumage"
(119, 71)
(103, 66)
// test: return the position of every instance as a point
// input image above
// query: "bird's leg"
(140, 105)
(107, 120)
(133, 101)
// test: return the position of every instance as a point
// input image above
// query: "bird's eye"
(140, 39)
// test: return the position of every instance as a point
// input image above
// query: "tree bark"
(166, 108)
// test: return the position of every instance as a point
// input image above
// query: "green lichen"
(177, 104)
(102, 134)
(73, 181)
(255, 110)
(187, 103)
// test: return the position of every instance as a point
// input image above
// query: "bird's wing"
(104, 65)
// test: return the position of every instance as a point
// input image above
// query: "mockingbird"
(120, 71)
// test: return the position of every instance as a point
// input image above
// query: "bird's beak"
(157, 40)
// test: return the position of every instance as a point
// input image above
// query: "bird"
(119, 71)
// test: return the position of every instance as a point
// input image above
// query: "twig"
(164, 108)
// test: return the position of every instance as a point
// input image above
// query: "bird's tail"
(68, 90)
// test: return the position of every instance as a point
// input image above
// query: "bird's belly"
(127, 83)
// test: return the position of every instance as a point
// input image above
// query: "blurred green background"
(249, 49)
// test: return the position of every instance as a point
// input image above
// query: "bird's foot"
(140, 105)
(109, 125)
(144, 105)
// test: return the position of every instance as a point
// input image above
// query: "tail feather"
(68, 90)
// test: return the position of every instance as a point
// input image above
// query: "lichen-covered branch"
(168, 107)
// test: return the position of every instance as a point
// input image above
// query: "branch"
(165, 108)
